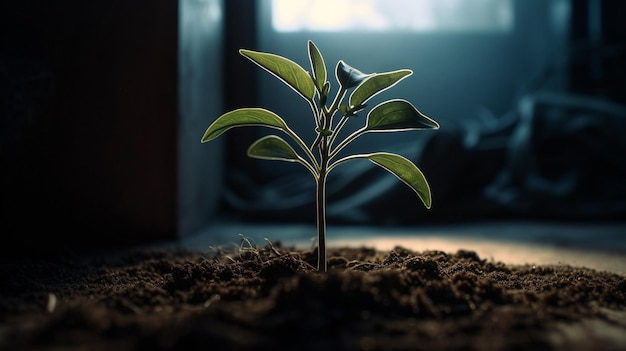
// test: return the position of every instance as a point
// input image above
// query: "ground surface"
(272, 297)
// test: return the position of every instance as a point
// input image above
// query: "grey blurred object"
(553, 156)
(566, 158)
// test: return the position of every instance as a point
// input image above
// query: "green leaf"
(326, 88)
(402, 168)
(344, 109)
(284, 69)
(406, 171)
(243, 117)
(375, 84)
(324, 132)
(272, 147)
(317, 66)
(397, 115)
(349, 76)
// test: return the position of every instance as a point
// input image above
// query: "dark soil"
(272, 298)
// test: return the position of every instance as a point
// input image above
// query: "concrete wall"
(201, 101)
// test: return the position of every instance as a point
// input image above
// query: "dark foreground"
(272, 298)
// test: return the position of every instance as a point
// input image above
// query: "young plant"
(389, 116)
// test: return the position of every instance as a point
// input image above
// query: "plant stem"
(322, 265)
(321, 224)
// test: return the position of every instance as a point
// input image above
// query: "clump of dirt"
(273, 298)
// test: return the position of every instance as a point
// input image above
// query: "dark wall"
(88, 123)
(240, 32)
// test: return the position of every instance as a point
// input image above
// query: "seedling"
(390, 116)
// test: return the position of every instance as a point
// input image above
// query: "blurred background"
(103, 104)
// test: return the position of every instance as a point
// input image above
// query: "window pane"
(384, 15)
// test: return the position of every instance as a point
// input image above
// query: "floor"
(601, 246)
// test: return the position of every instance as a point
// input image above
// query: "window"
(385, 15)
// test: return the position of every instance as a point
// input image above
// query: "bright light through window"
(385, 15)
